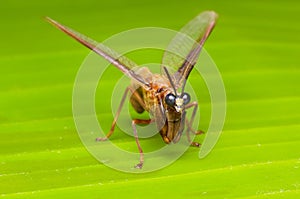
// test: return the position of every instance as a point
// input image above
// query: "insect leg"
(189, 123)
(134, 122)
(195, 105)
(111, 131)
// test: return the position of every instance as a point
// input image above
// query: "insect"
(162, 95)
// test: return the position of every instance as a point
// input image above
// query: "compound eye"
(170, 99)
(186, 98)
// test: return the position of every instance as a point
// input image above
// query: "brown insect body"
(157, 93)
(167, 119)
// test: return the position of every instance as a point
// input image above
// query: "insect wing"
(121, 62)
(183, 51)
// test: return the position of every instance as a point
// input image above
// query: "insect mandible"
(158, 93)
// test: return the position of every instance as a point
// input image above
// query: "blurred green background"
(256, 47)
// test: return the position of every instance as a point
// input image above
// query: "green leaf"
(255, 44)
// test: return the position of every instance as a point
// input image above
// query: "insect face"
(177, 101)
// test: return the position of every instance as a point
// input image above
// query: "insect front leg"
(134, 123)
(190, 123)
(111, 131)
(113, 125)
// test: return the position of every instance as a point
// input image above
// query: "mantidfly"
(158, 93)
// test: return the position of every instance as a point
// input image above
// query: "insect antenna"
(183, 86)
(170, 79)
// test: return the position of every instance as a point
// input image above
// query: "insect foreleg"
(111, 131)
(190, 123)
(134, 122)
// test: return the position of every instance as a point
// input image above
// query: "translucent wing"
(122, 63)
(183, 51)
